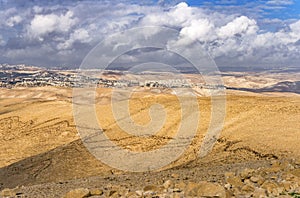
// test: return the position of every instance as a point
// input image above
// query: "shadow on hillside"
(62, 163)
(286, 86)
(73, 161)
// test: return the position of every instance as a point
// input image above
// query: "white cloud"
(45, 24)
(280, 38)
(240, 25)
(181, 13)
(228, 37)
(201, 29)
(178, 15)
(295, 28)
(80, 35)
(14, 20)
(37, 9)
(264, 40)
(280, 2)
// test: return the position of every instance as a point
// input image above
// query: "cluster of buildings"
(170, 83)
(24, 76)
(19, 76)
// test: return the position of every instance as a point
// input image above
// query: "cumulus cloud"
(64, 34)
(177, 16)
(45, 24)
(295, 28)
(198, 30)
(80, 35)
(239, 26)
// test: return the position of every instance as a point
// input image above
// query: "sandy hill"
(40, 143)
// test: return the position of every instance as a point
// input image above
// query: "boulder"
(234, 181)
(78, 193)
(259, 192)
(205, 189)
(246, 173)
(7, 193)
(168, 184)
(248, 188)
(254, 179)
(96, 191)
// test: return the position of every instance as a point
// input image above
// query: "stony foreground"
(280, 179)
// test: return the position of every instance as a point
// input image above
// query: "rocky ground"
(270, 178)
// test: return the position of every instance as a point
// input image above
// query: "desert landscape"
(150, 99)
(257, 153)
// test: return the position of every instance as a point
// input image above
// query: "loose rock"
(96, 191)
(78, 193)
(7, 193)
(205, 189)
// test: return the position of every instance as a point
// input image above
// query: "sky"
(235, 33)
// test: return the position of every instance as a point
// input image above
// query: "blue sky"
(281, 9)
(274, 9)
(239, 33)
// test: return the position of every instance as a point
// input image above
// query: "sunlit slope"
(38, 135)
(34, 121)
(267, 124)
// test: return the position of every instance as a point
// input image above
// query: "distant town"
(31, 76)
